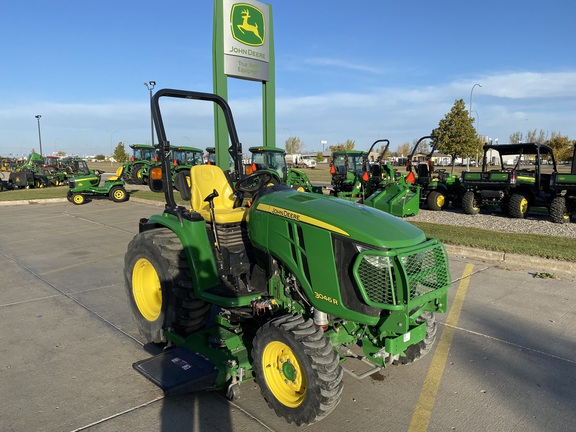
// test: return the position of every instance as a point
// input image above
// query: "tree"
(100, 157)
(516, 138)
(294, 145)
(348, 145)
(403, 150)
(456, 133)
(120, 153)
(561, 145)
(319, 157)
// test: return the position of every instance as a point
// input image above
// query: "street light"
(39, 134)
(479, 85)
(323, 142)
(150, 86)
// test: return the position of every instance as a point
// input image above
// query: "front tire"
(436, 201)
(297, 370)
(77, 199)
(157, 281)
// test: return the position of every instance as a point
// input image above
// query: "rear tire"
(157, 281)
(297, 370)
(118, 194)
(518, 206)
(558, 211)
(470, 203)
(137, 174)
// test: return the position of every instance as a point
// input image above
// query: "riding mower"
(86, 187)
(283, 291)
(437, 187)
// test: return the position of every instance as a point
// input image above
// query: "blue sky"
(344, 70)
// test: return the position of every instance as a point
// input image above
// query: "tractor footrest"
(178, 371)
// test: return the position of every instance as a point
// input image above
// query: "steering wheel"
(253, 182)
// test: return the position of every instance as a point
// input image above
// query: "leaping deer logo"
(253, 28)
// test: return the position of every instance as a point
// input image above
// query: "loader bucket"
(396, 199)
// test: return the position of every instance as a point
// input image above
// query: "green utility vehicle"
(83, 188)
(386, 190)
(437, 188)
(273, 159)
(283, 291)
(563, 204)
(516, 185)
(143, 155)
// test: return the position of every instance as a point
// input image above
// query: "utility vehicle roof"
(350, 152)
(187, 148)
(132, 146)
(524, 148)
(266, 149)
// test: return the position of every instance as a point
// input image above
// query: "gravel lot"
(533, 224)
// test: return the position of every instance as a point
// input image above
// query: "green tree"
(100, 157)
(456, 133)
(319, 157)
(516, 137)
(403, 150)
(120, 153)
(348, 145)
(561, 145)
(294, 145)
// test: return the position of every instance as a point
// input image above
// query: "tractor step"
(178, 371)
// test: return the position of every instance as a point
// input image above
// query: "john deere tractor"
(281, 292)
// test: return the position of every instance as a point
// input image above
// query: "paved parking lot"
(505, 359)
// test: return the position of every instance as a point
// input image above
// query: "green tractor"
(437, 187)
(183, 158)
(273, 160)
(134, 170)
(348, 168)
(386, 190)
(516, 186)
(85, 187)
(30, 174)
(563, 185)
(282, 292)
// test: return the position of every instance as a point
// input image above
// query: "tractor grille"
(388, 279)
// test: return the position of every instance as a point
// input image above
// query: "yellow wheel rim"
(524, 205)
(440, 200)
(78, 199)
(146, 289)
(283, 374)
(119, 194)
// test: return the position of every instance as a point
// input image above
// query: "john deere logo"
(247, 24)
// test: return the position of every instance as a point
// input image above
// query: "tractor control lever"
(210, 200)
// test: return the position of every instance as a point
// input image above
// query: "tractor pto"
(282, 292)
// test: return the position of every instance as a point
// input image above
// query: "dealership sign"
(246, 47)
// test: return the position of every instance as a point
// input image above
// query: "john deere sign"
(246, 49)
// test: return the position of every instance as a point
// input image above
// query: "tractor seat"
(118, 175)
(204, 180)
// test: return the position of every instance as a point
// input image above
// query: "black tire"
(158, 284)
(505, 205)
(518, 206)
(297, 370)
(436, 201)
(417, 351)
(137, 174)
(558, 210)
(77, 199)
(470, 203)
(118, 194)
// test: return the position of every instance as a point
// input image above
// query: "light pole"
(479, 85)
(150, 86)
(39, 134)
(323, 142)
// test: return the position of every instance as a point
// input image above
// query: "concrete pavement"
(67, 343)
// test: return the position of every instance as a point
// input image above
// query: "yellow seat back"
(204, 180)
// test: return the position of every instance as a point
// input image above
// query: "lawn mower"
(284, 291)
(86, 187)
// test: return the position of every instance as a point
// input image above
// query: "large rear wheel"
(297, 370)
(157, 281)
(558, 211)
(518, 206)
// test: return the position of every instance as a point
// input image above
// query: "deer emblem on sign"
(245, 26)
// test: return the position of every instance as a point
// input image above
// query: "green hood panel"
(363, 224)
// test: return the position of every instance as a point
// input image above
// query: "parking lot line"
(423, 411)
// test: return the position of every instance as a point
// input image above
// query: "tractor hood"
(355, 221)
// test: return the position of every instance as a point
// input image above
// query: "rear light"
(156, 173)
(512, 178)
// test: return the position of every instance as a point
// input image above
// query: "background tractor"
(283, 291)
(563, 185)
(85, 187)
(347, 169)
(143, 155)
(437, 187)
(516, 185)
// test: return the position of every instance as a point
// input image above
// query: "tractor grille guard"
(390, 279)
